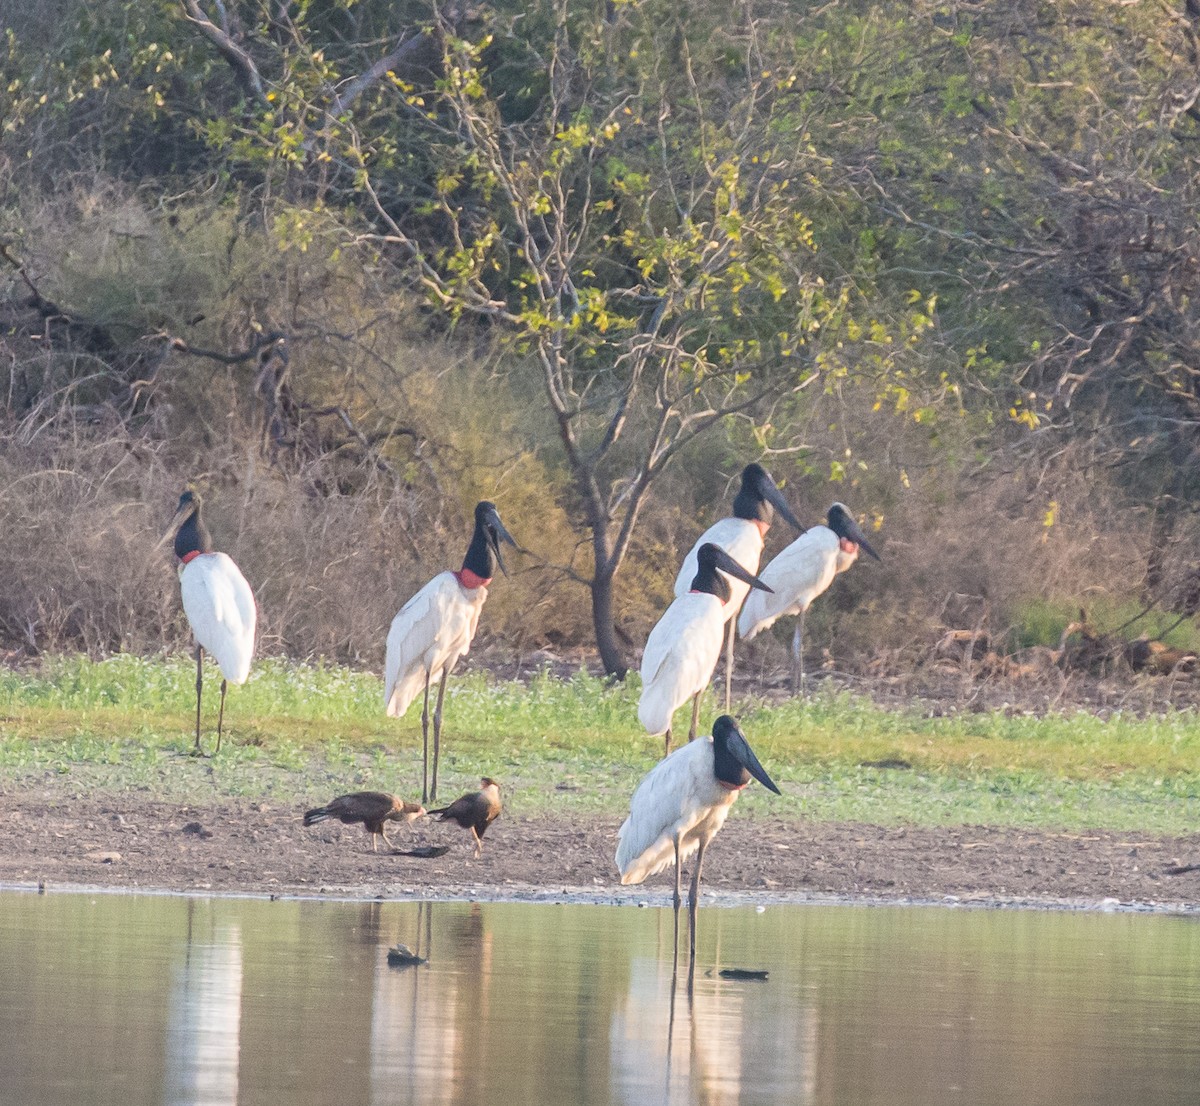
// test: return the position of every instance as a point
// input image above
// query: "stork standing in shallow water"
(434, 629)
(681, 805)
(799, 574)
(217, 601)
(742, 537)
(685, 644)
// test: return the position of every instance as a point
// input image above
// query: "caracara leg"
(425, 743)
(695, 716)
(199, 689)
(383, 833)
(437, 730)
(677, 900)
(732, 625)
(798, 656)
(374, 841)
(693, 901)
(221, 715)
(667, 742)
(478, 843)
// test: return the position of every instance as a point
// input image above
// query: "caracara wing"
(798, 575)
(220, 609)
(672, 798)
(742, 540)
(432, 630)
(679, 657)
(362, 806)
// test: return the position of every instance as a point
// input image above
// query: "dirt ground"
(132, 841)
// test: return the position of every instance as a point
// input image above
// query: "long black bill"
(855, 534)
(740, 749)
(730, 567)
(495, 534)
(771, 493)
(182, 513)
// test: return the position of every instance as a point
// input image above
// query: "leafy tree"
(616, 195)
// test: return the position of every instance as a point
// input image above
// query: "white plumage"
(429, 635)
(680, 656)
(680, 795)
(798, 575)
(742, 539)
(220, 609)
(434, 629)
(802, 572)
(680, 806)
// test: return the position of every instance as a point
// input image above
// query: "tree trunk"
(602, 620)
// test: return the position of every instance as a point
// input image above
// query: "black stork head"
(191, 535)
(709, 558)
(759, 496)
(734, 761)
(485, 542)
(842, 523)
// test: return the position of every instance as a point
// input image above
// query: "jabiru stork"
(680, 806)
(685, 644)
(217, 601)
(374, 809)
(799, 574)
(434, 629)
(741, 536)
(474, 811)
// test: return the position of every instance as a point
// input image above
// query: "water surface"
(124, 1000)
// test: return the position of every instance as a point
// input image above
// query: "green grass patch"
(299, 731)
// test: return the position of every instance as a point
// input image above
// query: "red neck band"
(716, 597)
(471, 580)
(762, 524)
(847, 546)
(732, 786)
(187, 558)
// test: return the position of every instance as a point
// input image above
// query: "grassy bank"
(299, 731)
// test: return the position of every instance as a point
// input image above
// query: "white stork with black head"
(799, 574)
(434, 630)
(685, 644)
(680, 806)
(741, 536)
(217, 601)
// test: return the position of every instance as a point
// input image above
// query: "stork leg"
(695, 716)
(693, 902)
(732, 629)
(221, 715)
(667, 742)
(798, 656)
(677, 900)
(199, 689)
(437, 730)
(425, 743)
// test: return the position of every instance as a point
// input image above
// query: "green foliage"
(123, 723)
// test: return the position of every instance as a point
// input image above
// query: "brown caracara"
(474, 811)
(372, 808)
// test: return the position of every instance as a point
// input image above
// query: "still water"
(129, 1000)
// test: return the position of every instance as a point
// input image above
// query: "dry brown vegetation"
(341, 476)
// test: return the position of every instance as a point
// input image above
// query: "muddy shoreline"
(130, 841)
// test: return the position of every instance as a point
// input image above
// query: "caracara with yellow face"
(474, 811)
